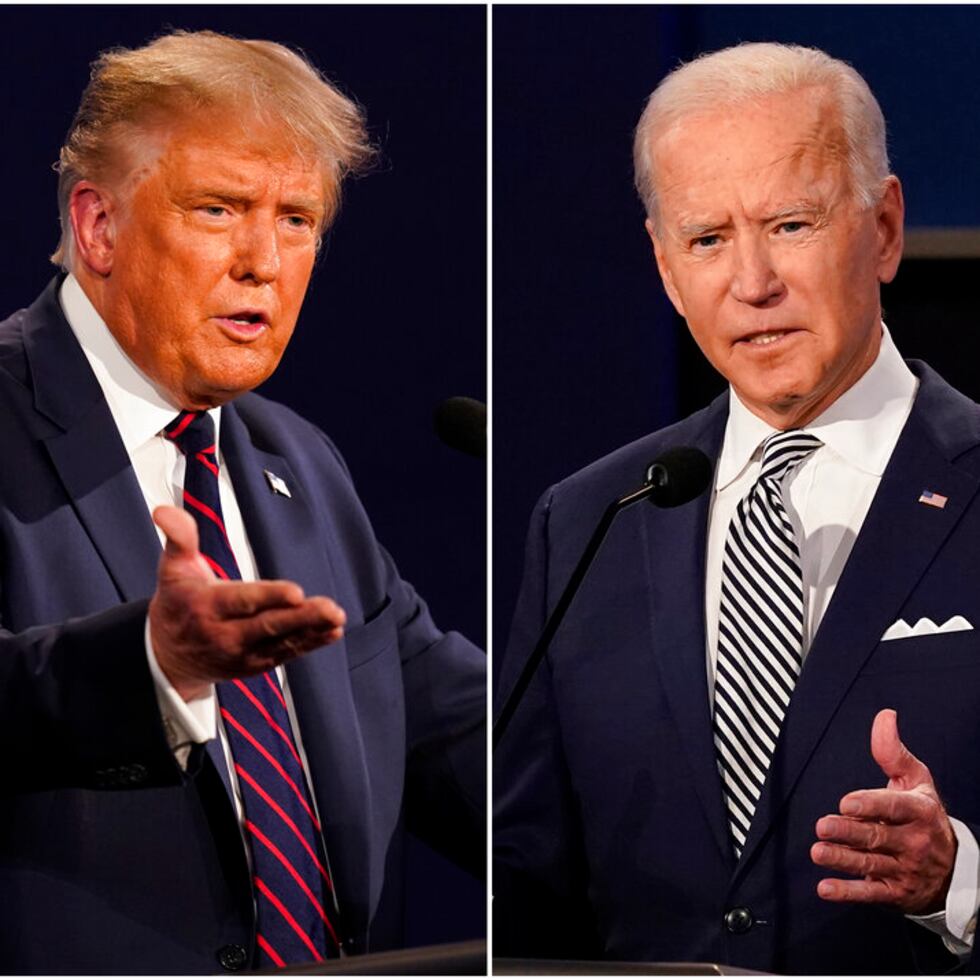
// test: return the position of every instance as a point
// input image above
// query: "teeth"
(766, 338)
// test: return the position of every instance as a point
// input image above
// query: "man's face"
(211, 254)
(767, 254)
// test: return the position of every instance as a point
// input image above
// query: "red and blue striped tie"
(293, 892)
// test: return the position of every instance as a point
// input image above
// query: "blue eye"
(705, 241)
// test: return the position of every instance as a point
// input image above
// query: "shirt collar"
(862, 426)
(139, 407)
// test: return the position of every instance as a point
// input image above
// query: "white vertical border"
(489, 355)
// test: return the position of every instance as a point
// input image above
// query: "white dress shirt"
(141, 411)
(827, 498)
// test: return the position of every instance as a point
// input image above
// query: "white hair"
(748, 72)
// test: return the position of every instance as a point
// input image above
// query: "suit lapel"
(98, 478)
(897, 542)
(676, 578)
(87, 452)
(292, 541)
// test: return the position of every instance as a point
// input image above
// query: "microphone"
(674, 478)
(461, 423)
(679, 475)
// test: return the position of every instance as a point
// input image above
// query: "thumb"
(181, 544)
(893, 758)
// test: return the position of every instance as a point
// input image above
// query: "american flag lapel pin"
(932, 499)
(278, 485)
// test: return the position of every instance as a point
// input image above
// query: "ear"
(666, 276)
(889, 222)
(93, 214)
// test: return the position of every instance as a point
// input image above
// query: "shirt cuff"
(184, 722)
(957, 922)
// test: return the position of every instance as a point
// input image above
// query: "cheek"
(295, 279)
(704, 296)
(136, 269)
(280, 343)
(848, 293)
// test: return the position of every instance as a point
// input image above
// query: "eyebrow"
(304, 205)
(243, 195)
(800, 207)
(696, 229)
(227, 192)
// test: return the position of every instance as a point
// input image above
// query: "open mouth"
(767, 338)
(246, 319)
(243, 326)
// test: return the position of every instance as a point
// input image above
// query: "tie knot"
(784, 450)
(193, 432)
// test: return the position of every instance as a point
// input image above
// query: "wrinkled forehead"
(168, 138)
(793, 136)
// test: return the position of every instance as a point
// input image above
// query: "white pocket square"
(925, 627)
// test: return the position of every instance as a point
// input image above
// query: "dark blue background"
(395, 318)
(588, 353)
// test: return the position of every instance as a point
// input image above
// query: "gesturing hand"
(899, 839)
(205, 630)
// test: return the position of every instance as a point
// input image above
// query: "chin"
(212, 392)
(778, 407)
(784, 393)
(230, 381)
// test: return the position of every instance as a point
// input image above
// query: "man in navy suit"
(708, 764)
(195, 183)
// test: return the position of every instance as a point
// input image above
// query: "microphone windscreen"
(461, 423)
(679, 475)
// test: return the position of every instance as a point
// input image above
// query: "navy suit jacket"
(610, 830)
(111, 858)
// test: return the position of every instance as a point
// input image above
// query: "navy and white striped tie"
(294, 896)
(760, 630)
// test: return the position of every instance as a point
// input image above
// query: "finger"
(300, 642)
(862, 834)
(180, 530)
(317, 617)
(893, 758)
(330, 610)
(893, 806)
(853, 862)
(181, 558)
(234, 600)
(839, 890)
(259, 643)
(266, 654)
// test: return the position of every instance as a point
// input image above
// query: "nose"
(256, 251)
(754, 279)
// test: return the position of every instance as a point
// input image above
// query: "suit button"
(106, 778)
(233, 957)
(739, 920)
(135, 774)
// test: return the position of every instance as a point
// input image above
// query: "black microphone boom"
(674, 478)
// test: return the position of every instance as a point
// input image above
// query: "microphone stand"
(561, 607)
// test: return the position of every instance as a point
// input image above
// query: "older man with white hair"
(693, 779)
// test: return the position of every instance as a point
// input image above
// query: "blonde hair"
(754, 70)
(186, 72)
